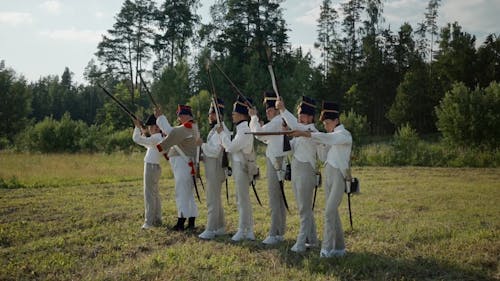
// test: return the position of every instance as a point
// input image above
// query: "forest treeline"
(426, 86)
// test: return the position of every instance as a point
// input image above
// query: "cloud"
(51, 6)
(476, 16)
(310, 17)
(99, 15)
(72, 34)
(15, 18)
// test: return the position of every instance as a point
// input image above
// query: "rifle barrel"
(277, 133)
(120, 104)
(147, 91)
(232, 84)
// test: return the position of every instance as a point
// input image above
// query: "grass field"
(78, 217)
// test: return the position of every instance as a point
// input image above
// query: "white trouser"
(152, 201)
(276, 203)
(184, 194)
(214, 173)
(242, 184)
(333, 235)
(303, 184)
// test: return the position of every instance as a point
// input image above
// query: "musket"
(286, 140)
(271, 72)
(120, 104)
(276, 133)
(129, 113)
(214, 95)
(147, 91)
(238, 92)
(225, 160)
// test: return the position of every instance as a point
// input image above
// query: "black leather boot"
(180, 224)
(191, 225)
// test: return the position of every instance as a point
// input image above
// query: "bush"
(470, 118)
(357, 125)
(405, 146)
(426, 154)
(4, 143)
(120, 141)
(94, 140)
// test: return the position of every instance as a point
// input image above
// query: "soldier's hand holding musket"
(252, 111)
(199, 141)
(280, 104)
(297, 133)
(138, 124)
(158, 111)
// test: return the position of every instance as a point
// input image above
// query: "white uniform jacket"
(242, 143)
(304, 149)
(340, 143)
(152, 154)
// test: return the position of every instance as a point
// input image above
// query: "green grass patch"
(410, 223)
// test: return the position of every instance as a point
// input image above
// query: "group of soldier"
(180, 145)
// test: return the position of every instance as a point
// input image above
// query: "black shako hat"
(184, 110)
(220, 106)
(329, 110)
(241, 105)
(270, 99)
(151, 120)
(307, 106)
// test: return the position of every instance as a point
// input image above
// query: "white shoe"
(310, 245)
(146, 226)
(298, 248)
(338, 253)
(271, 240)
(219, 232)
(250, 236)
(324, 253)
(331, 253)
(238, 236)
(207, 235)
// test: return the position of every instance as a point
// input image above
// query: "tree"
(429, 27)
(412, 103)
(470, 117)
(15, 106)
(405, 52)
(327, 34)
(127, 48)
(173, 88)
(352, 10)
(176, 21)
(488, 61)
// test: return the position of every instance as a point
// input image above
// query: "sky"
(42, 37)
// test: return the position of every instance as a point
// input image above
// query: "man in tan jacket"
(180, 146)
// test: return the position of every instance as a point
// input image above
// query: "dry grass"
(83, 223)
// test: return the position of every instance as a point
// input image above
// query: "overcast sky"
(38, 37)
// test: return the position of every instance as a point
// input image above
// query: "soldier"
(214, 173)
(180, 144)
(303, 168)
(239, 148)
(339, 142)
(274, 162)
(152, 170)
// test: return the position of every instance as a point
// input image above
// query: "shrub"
(357, 125)
(120, 141)
(470, 118)
(405, 146)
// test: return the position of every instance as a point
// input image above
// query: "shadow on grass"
(370, 266)
(363, 265)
